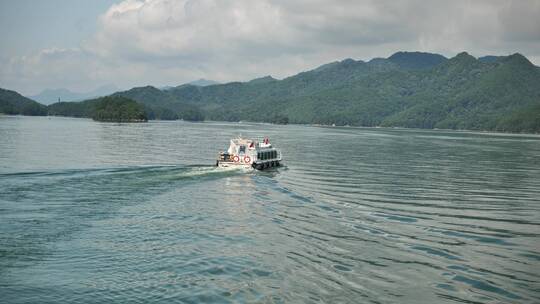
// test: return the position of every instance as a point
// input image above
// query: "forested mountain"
(418, 90)
(407, 89)
(466, 93)
(14, 103)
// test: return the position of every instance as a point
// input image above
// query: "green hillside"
(407, 89)
(162, 105)
(457, 93)
(110, 108)
(465, 93)
(13, 103)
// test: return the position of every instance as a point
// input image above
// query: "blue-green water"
(136, 213)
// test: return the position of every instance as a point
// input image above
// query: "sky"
(81, 44)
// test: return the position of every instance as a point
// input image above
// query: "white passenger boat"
(248, 153)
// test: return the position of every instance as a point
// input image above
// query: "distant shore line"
(275, 124)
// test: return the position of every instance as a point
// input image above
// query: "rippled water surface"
(136, 213)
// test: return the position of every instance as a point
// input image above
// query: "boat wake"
(108, 181)
(166, 171)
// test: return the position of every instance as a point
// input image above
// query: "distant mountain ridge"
(407, 89)
(203, 82)
(49, 96)
(198, 83)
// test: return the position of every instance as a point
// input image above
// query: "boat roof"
(252, 144)
(241, 141)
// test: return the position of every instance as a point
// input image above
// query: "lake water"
(136, 213)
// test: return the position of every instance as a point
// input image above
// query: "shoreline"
(292, 124)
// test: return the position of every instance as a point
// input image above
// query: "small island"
(118, 109)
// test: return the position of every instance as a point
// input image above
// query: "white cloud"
(520, 21)
(161, 42)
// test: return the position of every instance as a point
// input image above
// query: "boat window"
(242, 150)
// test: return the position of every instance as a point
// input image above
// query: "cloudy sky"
(83, 44)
